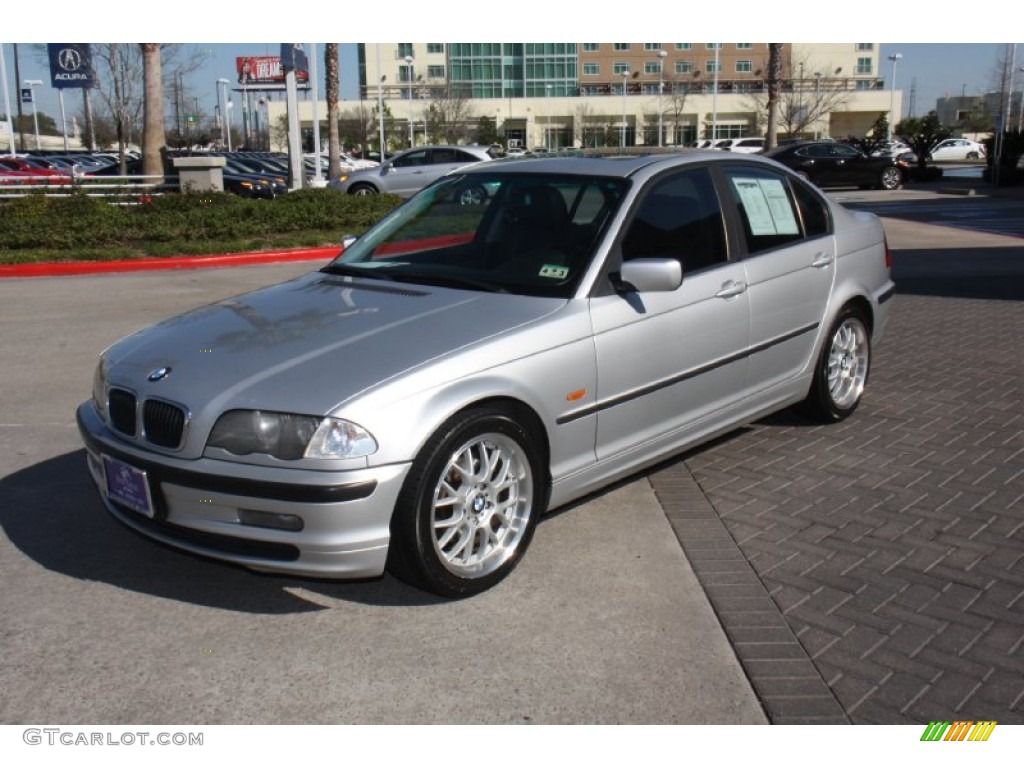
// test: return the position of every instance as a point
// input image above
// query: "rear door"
(789, 255)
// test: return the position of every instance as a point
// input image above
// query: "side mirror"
(648, 275)
(346, 242)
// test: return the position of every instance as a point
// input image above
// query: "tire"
(973, 156)
(472, 195)
(891, 178)
(363, 189)
(469, 506)
(841, 372)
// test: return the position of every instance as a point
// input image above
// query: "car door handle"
(731, 288)
(822, 260)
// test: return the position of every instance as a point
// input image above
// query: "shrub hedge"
(82, 228)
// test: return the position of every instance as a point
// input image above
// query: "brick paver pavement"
(873, 571)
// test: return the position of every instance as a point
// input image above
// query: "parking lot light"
(31, 85)
(893, 57)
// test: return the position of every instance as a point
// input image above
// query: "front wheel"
(891, 179)
(363, 189)
(842, 369)
(973, 156)
(469, 506)
(472, 195)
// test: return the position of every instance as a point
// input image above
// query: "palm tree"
(332, 75)
(153, 139)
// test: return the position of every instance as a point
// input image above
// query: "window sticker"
(766, 206)
(556, 271)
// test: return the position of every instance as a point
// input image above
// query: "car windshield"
(531, 234)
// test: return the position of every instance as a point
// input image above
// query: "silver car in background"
(460, 368)
(410, 171)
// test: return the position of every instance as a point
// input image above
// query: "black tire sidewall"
(411, 527)
(819, 404)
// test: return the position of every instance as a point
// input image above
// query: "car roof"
(622, 166)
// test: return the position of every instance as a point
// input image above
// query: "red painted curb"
(63, 268)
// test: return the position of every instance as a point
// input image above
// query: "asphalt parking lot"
(869, 572)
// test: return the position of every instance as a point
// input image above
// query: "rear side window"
(766, 207)
(813, 211)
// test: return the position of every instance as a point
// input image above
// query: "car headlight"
(99, 388)
(290, 436)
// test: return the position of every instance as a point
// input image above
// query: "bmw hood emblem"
(159, 374)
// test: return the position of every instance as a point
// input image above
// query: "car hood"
(310, 344)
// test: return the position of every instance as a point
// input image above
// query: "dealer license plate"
(127, 485)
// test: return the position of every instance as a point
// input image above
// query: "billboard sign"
(71, 65)
(264, 70)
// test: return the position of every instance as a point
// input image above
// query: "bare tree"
(587, 126)
(801, 106)
(332, 76)
(679, 89)
(153, 138)
(449, 113)
(356, 126)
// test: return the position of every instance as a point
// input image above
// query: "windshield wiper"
(349, 270)
(447, 281)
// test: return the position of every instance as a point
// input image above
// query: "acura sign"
(71, 65)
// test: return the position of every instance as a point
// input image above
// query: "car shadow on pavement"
(966, 273)
(52, 514)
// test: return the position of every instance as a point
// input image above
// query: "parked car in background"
(895, 149)
(419, 402)
(835, 164)
(410, 171)
(957, 149)
(748, 145)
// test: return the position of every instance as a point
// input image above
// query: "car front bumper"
(200, 505)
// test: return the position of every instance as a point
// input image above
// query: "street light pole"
(661, 87)
(893, 57)
(223, 82)
(408, 63)
(625, 79)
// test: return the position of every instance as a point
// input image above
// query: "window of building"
(591, 47)
(620, 46)
(744, 65)
(405, 49)
(713, 46)
(652, 67)
(683, 46)
(652, 46)
(712, 66)
(865, 46)
(591, 68)
(620, 68)
(435, 71)
(744, 46)
(864, 65)
(684, 67)
(435, 47)
(405, 73)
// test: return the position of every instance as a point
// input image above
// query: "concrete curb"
(66, 268)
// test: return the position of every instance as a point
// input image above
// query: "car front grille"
(163, 423)
(122, 411)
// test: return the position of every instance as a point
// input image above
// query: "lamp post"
(223, 82)
(1020, 102)
(547, 130)
(625, 78)
(816, 106)
(893, 57)
(661, 87)
(408, 64)
(31, 85)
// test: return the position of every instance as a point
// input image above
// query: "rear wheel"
(842, 369)
(469, 506)
(472, 195)
(891, 178)
(973, 156)
(363, 189)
